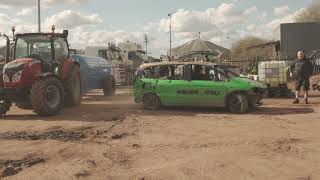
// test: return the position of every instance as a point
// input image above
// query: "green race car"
(195, 84)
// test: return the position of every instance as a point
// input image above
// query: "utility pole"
(170, 31)
(39, 20)
(146, 40)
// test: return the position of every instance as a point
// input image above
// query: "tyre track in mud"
(13, 167)
(114, 156)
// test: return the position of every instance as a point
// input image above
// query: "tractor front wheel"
(4, 106)
(73, 88)
(47, 96)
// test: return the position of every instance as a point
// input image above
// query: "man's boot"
(296, 101)
(306, 101)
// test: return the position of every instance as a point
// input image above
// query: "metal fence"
(250, 64)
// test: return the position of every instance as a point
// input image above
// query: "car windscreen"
(230, 72)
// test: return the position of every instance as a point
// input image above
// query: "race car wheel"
(109, 86)
(238, 103)
(151, 102)
(4, 106)
(47, 96)
(73, 88)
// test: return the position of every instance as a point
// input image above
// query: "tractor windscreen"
(36, 46)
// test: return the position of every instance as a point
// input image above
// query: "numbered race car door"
(185, 93)
(211, 88)
(170, 83)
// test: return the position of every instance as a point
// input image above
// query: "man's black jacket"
(302, 69)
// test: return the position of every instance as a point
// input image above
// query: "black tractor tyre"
(151, 102)
(4, 107)
(26, 106)
(47, 96)
(238, 103)
(73, 88)
(109, 86)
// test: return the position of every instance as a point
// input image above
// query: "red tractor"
(41, 76)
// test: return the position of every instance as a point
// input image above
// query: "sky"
(98, 22)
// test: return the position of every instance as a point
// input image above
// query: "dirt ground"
(113, 138)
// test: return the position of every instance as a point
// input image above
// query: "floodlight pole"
(170, 14)
(39, 20)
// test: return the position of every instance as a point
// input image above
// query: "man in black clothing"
(302, 70)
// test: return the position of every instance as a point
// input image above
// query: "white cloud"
(25, 3)
(215, 24)
(250, 11)
(25, 12)
(5, 19)
(224, 16)
(64, 1)
(286, 19)
(4, 7)
(80, 37)
(281, 10)
(69, 19)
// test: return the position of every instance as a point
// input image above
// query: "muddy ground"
(113, 138)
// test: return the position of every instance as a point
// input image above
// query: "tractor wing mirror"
(65, 33)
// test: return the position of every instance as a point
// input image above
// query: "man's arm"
(292, 69)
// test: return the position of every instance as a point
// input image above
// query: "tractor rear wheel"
(47, 96)
(238, 103)
(109, 86)
(73, 88)
(4, 106)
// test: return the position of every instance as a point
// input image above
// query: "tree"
(240, 48)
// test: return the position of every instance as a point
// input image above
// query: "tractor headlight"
(17, 76)
(6, 78)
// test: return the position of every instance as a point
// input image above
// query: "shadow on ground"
(283, 110)
(121, 110)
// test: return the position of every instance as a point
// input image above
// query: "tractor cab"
(49, 48)
(40, 74)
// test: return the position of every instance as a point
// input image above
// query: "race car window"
(217, 74)
(200, 73)
(177, 72)
(149, 73)
(164, 72)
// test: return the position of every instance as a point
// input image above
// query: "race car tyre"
(73, 88)
(151, 102)
(109, 86)
(238, 103)
(47, 96)
(4, 106)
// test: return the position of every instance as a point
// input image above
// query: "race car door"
(211, 90)
(170, 84)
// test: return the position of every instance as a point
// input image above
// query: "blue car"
(95, 74)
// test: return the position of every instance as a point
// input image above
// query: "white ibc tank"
(272, 73)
